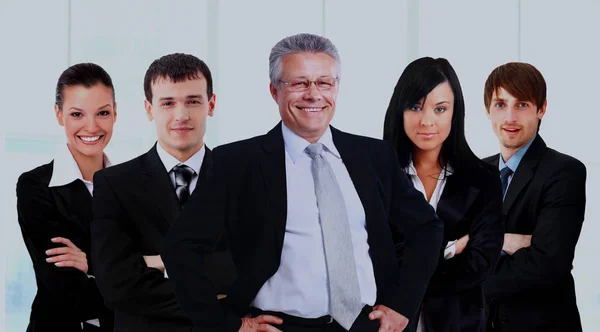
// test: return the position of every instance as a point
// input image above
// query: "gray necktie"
(344, 290)
(183, 178)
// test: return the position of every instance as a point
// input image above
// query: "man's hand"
(389, 320)
(69, 256)
(514, 242)
(155, 262)
(260, 323)
(461, 244)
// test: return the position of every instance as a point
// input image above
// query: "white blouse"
(450, 249)
(411, 171)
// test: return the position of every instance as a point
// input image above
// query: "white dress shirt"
(450, 249)
(65, 171)
(300, 285)
(195, 162)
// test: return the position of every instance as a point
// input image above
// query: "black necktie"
(505, 173)
(183, 177)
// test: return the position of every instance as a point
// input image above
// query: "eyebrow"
(306, 77)
(516, 101)
(81, 110)
(186, 97)
(442, 102)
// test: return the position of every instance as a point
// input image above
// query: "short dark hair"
(418, 79)
(177, 67)
(86, 74)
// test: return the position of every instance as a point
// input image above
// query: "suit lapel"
(456, 199)
(359, 169)
(493, 160)
(272, 166)
(205, 169)
(524, 172)
(157, 185)
(78, 202)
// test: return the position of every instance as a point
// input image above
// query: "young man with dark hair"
(136, 202)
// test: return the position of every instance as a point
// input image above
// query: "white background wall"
(376, 40)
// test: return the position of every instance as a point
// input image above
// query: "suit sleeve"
(125, 281)
(558, 225)
(191, 238)
(486, 236)
(422, 232)
(40, 222)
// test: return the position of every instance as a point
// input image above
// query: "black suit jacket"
(247, 197)
(66, 296)
(471, 203)
(134, 206)
(533, 289)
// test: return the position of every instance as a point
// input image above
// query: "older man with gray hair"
(309, 212)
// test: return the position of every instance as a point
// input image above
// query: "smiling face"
(427, 124)
(88, 116)
(515, 122)
(307, 113)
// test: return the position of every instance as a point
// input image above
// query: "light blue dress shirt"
(514, 161)
(300, 285)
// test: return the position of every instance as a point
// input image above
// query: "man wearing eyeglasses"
(307, 210)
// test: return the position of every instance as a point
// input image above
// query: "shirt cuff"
(166, 275)
(450, 250)
(94, 322)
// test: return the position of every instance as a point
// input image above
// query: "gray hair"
(300, 43)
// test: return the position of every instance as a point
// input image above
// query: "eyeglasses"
(322, 84)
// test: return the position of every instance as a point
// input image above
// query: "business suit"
(134, 206)
(66, 297)
(533, 290)
(471, 203)
(247, 197)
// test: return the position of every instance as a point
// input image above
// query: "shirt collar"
(411, 170)
(195, 161)
(295, 144)
(66, 170)
(514, 161)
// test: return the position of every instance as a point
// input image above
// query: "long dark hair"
(418, 79)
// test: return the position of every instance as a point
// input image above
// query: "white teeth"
(90, 138)
(312, 109)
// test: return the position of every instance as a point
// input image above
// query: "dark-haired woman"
(425, 123)
(54, 204)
